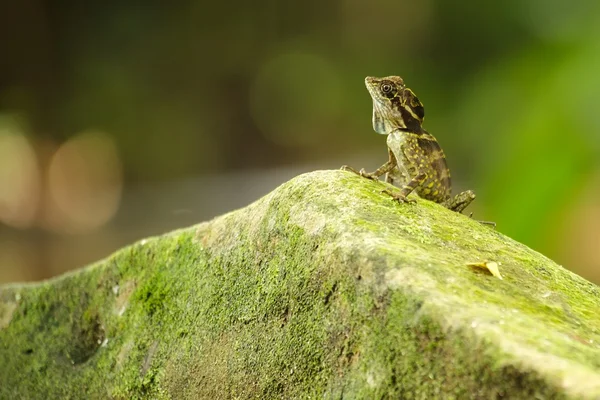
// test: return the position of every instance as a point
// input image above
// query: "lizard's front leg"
(384, 169)
(459, 202)
(407, 189)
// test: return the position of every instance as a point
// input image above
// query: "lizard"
(416, 162)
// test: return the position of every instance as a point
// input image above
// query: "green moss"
(324, 288)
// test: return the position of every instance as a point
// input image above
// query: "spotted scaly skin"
(416, 160)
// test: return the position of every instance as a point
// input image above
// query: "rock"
(325, 288)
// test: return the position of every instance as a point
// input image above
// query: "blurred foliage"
(510, 90)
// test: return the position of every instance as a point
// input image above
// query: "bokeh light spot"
(19, 176)
(85, 181)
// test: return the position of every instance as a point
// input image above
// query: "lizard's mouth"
(370, 84)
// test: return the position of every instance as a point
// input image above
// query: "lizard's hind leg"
(459, 202)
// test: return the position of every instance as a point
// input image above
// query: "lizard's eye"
(386, 88)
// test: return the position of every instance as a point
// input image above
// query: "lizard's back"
(420, 151)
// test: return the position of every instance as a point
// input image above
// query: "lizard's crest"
(394, 105)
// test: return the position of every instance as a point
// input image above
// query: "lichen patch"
(6, 313)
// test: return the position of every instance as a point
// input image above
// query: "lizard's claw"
(367, 175)
(488, 223)
(349, 168)
(399, 197)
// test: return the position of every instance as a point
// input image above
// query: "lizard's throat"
(384, 122)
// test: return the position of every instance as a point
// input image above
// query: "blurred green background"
(123, 119)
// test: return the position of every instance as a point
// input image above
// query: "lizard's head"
(394, 105)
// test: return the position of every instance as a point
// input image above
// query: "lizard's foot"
(399, 197)
(362, 172)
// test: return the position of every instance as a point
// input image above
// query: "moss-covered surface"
(324, 288)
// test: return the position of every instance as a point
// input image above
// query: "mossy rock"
(325, 288)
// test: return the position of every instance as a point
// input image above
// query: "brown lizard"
(416, 160)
